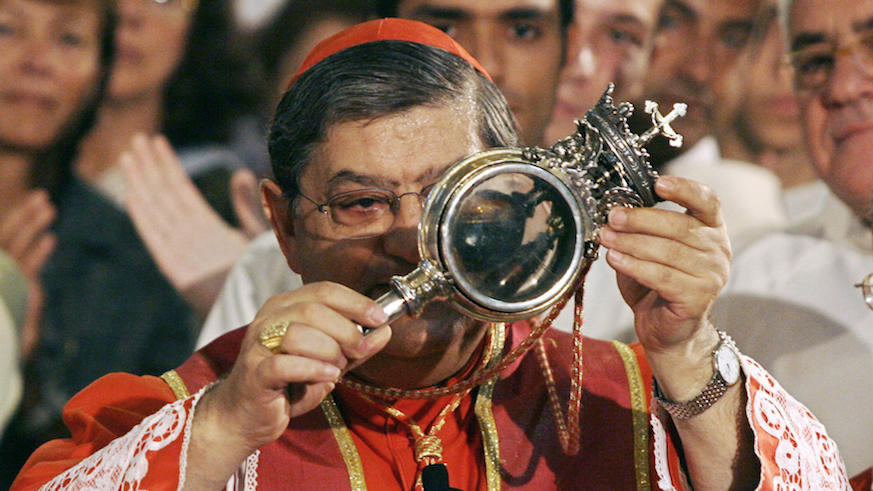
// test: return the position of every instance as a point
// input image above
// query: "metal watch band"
(704, 400)
(710, 394)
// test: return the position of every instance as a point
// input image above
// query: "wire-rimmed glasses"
(364, 212)
(814, 64)
(187, 5)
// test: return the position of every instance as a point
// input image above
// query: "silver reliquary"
(506, 233)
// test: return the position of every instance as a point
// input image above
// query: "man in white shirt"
(791, 299)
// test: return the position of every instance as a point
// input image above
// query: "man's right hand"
(264, 390)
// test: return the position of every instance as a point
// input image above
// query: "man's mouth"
(845, 132)
(129, 55)
(29, 98)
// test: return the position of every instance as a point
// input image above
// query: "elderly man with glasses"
(801, 300)
(301, 398)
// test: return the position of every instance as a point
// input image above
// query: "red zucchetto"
(389, 29)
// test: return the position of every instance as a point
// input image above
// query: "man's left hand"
(671, 266)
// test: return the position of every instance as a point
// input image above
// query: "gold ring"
(271, 337)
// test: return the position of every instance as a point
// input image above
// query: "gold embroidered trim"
(346, 444)
(487, 424)
(177, 385)
(639, 412)
(490, 440)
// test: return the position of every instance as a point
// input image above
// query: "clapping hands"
(191, 244)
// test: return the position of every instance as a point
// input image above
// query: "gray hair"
(378, 79)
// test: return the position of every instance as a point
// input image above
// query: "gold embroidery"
(490, 441)
(639, 414)
(346, 444)
(177, 385)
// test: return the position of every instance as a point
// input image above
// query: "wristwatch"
(725, 364)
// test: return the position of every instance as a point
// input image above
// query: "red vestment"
(863, 481)
(792, 446)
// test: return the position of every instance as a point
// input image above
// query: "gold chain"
(425, 448)
(428, 447)
(478, 378)
(568, 426)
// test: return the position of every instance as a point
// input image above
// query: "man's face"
(518, 42)
(695, 44)
(835, 93)
(609, 41)
(403, 153)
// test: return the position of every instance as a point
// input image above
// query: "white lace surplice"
(794, 449)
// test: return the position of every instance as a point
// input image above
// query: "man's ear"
(277, 208)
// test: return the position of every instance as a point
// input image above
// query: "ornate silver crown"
(604, 157)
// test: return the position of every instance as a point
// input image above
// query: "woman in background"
(108, 307)
(55, 59)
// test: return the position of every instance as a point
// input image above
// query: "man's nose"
(131, 13)
(486, 49)
(583, 66)
(401, 240)
(38, 57)
(698, 60)
(851, 78)
(582, 60)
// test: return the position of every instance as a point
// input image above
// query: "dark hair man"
(609, 41)
(696, 42)
(521, 43)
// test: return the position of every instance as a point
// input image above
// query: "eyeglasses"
(364, 212)
(187, 5)
(866, 286)
(814, 65)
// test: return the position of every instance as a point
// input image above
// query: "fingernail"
(375, 339)
(618, 216)
(664, 183)
(376, 315)
(606, 235)
(331, 372)
(615, 256)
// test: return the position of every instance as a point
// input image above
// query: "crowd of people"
(181, 301)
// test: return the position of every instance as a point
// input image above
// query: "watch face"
(728, 364)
